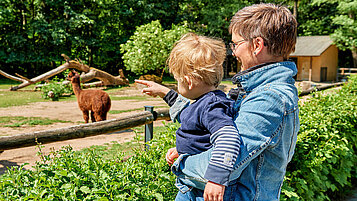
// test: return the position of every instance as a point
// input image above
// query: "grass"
(112, 149)
(226, 82)
(123, 111)
(7, 84)
(18, 121)
(131, 110)
(138, 98)
(16, 98)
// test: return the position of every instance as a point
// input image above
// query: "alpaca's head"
(73, 76)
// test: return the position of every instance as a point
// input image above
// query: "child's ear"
(189, 82)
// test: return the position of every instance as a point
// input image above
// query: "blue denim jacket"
(268, 122)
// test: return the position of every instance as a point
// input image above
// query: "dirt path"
(68, 111)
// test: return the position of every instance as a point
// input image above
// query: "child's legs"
(192, 195)
(190, 170)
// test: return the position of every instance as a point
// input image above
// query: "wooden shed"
(316, 58)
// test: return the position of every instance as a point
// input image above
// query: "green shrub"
(148, 49)
(326, 154)
(55, 89)
(71, 175)
(324, 162)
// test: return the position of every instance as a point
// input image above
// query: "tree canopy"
(34, 33)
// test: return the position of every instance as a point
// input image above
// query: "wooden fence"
(320, 88)
(86, 130)
(343, 73)
(97, 128)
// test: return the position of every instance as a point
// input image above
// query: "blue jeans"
(192, 195)
(197, 195)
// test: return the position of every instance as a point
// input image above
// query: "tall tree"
(345, 34)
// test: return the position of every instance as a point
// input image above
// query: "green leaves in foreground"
(70, 175)
(324, 162)
(325, 157)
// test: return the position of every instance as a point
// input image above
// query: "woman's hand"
(153, 89)
(171, 155)
(213, 192)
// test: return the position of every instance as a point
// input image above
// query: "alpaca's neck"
(76, 88)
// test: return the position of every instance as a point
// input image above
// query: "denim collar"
(256, 76)
(235, 77)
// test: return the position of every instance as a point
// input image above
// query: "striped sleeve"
(226, 141)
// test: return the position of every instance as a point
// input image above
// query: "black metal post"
(149, 133)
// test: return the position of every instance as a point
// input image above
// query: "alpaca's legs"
(86, 116)
(98, 117)
(104, 116)
(92, 116)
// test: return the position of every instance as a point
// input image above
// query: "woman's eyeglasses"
(235, 45)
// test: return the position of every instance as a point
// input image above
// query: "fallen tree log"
(90, 73)
(83, 130)
(320, 88)
(11, 77)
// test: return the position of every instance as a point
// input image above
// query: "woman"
(266, 106)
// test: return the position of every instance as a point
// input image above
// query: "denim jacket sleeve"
(259, 119)
(175, 110)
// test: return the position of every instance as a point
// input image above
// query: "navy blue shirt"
(209, 113)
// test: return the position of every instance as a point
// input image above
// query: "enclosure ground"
(69, 111)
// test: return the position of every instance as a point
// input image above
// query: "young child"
(196, 63)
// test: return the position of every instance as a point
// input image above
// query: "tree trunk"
(354, 57)
(91, 73)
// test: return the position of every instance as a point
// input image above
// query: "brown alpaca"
(94, 100)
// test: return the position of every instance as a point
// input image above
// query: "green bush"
(326, 152)
(71, 175)
(149, 47)
(324, 162)
(55, 89)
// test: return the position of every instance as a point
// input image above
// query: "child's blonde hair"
(198, 57)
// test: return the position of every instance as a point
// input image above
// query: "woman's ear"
(258, 45)
(189, 82)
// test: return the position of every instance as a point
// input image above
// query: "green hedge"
(324, 162)
(326, 154)
(88, 175)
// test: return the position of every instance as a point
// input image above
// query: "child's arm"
(153, 89)
(225, 139)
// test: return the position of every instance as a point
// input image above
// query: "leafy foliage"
(55, 89)
(149, 47)
(316, 19)
(324, 162)
(345, 19)
(326, 150)
(70, 175)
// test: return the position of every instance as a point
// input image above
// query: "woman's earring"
(255, 53)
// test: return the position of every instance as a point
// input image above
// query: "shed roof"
(311, 45)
